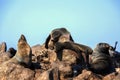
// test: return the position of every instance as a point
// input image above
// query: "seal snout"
(22, 38)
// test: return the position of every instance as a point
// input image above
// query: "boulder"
(12, 71)
(51, 74)
(4, 56)
(88, 75)
(111, 76)
(117, 77)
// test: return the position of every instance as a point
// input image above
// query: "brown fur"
(100, 59)
(23, 54)
(57, 36)
(82, 51)
(60, 39)
(3, 47)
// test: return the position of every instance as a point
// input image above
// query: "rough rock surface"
(11, 71)
(46, 66)
(111, 76)
(4, 56)
(88, 75)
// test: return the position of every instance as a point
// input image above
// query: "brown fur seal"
(23, 54)
(101, 62)
(57, 36)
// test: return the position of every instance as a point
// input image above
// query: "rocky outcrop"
(63, 68)
(12, 71)
(46, 64)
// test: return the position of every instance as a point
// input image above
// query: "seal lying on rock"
(101, 62)
(56, 35)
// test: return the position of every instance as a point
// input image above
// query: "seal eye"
(54, 40)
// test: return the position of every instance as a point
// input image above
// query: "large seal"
(101, 61)
(23, 55)
(57, 35)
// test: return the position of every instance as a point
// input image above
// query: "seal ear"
(71, 39)
(47, 41)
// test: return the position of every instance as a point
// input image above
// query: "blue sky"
(89, 21)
